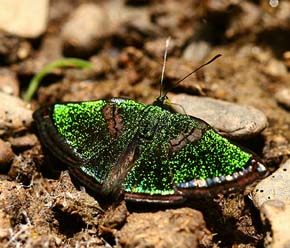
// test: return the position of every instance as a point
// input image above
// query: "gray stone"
(229, 119)
(15, 114)
(274, 187)
(25, 18)
(8, 82)
(272, 197)
(85, 27)
(277, 214)
(197, 51)
(283, 97)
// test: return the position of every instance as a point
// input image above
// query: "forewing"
(89, 136)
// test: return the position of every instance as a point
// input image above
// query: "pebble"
(274, 187)
(283, 97)
(28, 140)
(84, 29)
(197, 51)
(8, 82)
(217, 6)
(272, 197)
(277, 214)
(15, 114)
(276, 68)
(25, 18)
(6, 154)
(229, 119)
(183, 227)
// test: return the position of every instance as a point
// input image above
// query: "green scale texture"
(85, 129)
(151, 128)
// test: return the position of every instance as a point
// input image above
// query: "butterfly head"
(163, 101)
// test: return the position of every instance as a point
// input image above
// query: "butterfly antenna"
(188, 75)
(163, 67)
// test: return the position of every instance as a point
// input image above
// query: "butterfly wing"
(151, 154)
(181, 156)
(215, 165)
(89, 136)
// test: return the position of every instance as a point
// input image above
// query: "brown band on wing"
(113, 119)
(183, 139)
(113, 185)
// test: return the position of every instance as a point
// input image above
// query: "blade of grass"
(65, 62)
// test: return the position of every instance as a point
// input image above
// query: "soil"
(41, 207)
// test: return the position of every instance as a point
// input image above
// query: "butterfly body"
(145, 152)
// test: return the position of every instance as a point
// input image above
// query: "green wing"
(90, 135)
(179, 148)
(146, 151)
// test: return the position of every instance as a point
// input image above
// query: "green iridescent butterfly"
(146, 153)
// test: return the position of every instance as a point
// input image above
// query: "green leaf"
(65, 62)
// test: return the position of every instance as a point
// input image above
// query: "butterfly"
(144, 153)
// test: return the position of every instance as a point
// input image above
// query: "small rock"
(272, 197)
(25, 18)
(15, 115)
(274, 187)
(283, 97)
(24, 50)
(278, 214)
(6, 154)
(8, 82)
(276, 68)
(197, 51)
(85, 27)
(230, 119)
(28, 140)
(182, 227)
(218, 6)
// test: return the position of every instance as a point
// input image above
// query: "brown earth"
(40, 207)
